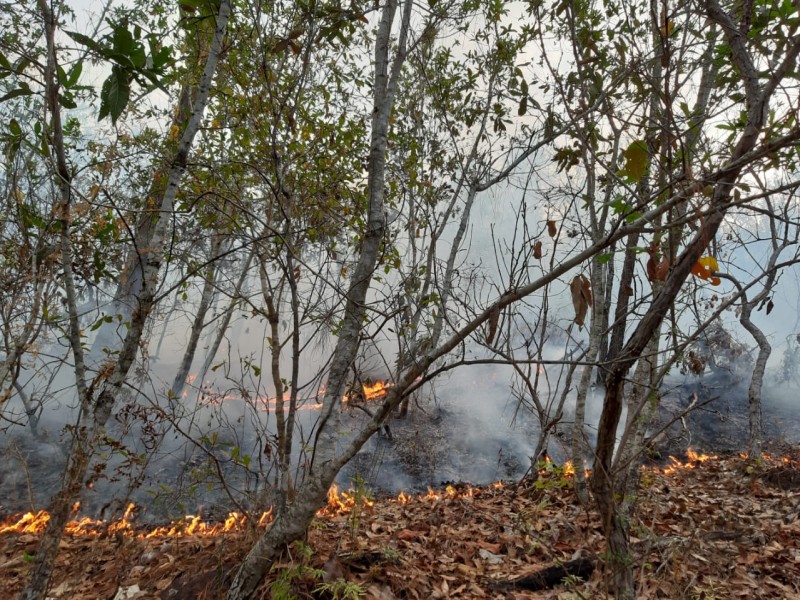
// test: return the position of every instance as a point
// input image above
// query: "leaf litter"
(718, 529)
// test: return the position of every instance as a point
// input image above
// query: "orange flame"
(344, 502)
(190, 525)
(693, 457)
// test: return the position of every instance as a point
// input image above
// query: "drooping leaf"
(114, 95)
(551, 228)
(636, 161)
(86, 41)
(494, 318)
(537, 250)
(22, 90)
(581, 290)
(123, 40)
(704, 269)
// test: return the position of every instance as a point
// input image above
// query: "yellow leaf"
(704, 267)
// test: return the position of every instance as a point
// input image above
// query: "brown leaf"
(581, 291)
(280, 46)
(662, 270)
(494, 317)
(551, 228)
(495, 548)
(651, 268)
(537, 250)
(295, 33)
(409, 534)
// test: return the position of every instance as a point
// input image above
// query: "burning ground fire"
(35, 523)
(369, 392)
(339, 503)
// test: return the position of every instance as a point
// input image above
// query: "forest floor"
(719, 528)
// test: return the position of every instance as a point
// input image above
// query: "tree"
(349, 202)
(746, 149)
(98, 395)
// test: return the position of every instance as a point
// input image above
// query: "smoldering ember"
(387, 299)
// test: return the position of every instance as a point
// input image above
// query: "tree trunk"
(199, 320)
(95, 410)
(294, 520)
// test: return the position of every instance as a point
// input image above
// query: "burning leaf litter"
(707, 527)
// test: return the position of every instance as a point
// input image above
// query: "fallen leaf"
(490, 557)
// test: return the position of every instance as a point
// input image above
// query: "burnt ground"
(721, 529)
(718, 422)
(432, 446)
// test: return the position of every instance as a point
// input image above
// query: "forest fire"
(694, 459)
(339, 503)
(375, 391)
(369, 391)
(36, 523)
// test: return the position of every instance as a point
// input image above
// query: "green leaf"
(604, 258)
(14, 127)
(114, 95)
(74, 74)
(523, 106)
(636, 161)
(86, 41)
(123, 40)
(22, 90)
(67, 101)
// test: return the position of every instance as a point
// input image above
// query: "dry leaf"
(537, 250)
(494, 317)
(662, 270)
(490, 557)
(551, 228)
(581, 298)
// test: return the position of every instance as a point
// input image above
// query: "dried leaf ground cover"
(718, 529)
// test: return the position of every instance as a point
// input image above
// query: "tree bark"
(199, 319)
(96, 409)
(603, 483)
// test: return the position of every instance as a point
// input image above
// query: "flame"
(35, 523)
(344, 502)
(694, 459)
(28, 523)
(376, 390)
(694, 456)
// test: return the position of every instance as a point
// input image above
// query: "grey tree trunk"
(199, 319)
(97, 399)
(293, 521)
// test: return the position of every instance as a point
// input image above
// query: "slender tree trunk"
(754, 392)
(580, 444)
(206, 297)
(294, 520)
(97, 399)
